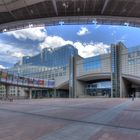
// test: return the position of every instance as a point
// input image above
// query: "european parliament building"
(115, 74)
(52, 57)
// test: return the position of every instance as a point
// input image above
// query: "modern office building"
(52, 57)
(115, 74)
(49, 64)
(120, 68)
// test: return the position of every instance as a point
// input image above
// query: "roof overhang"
(74, 20)
(20, 14)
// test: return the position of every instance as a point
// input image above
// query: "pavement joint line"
(15, 103)
(66, 106)
(98, 118)
(72, 120)
(132, 110)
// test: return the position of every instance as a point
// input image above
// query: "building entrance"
(98, 89)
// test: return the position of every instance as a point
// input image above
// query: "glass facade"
(134, 55)
(38, 71)
(92, 63)
(116, 68)
(99, 88)
(99, 85)
(113, 57)
(52, 57)
(49, 64)
(71, 77)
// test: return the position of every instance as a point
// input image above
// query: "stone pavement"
(70, 119)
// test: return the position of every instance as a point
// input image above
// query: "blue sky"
(90, 40)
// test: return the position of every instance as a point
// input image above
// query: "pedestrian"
(133, 97)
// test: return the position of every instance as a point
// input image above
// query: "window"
(60, 74)
(92, 63)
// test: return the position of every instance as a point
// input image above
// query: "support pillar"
(116, 69)
(79, 88)
(30, 93)
(54, 92)
(18, 92)
(125, 88)
(76, 88)
(7, 87)
(71, 77)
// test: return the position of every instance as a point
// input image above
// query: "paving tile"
(70, 119)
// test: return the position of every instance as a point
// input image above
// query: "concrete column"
(116, 67)
(125, 87)
(121, 87)
(111, 86)
(71, 77)
(30, 93)
(54, 92)
(18, 95)
(79, 88)
(7, 87)
(40, 93)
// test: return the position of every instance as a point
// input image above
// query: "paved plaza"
(70, 119)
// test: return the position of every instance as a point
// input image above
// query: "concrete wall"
(79, 88)
(61, 81)
(130, 66)
(125, 86)
(105, 66)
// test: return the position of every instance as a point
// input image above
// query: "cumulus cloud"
(30, 33)
(84, 49)
(2, 67)
(54, 42)
(83, 31)
(91, 49)
(7, 51)
(11, 53)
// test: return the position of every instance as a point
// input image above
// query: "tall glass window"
(134, 55)
(92, 63)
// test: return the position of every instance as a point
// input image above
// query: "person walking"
(133, 97)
